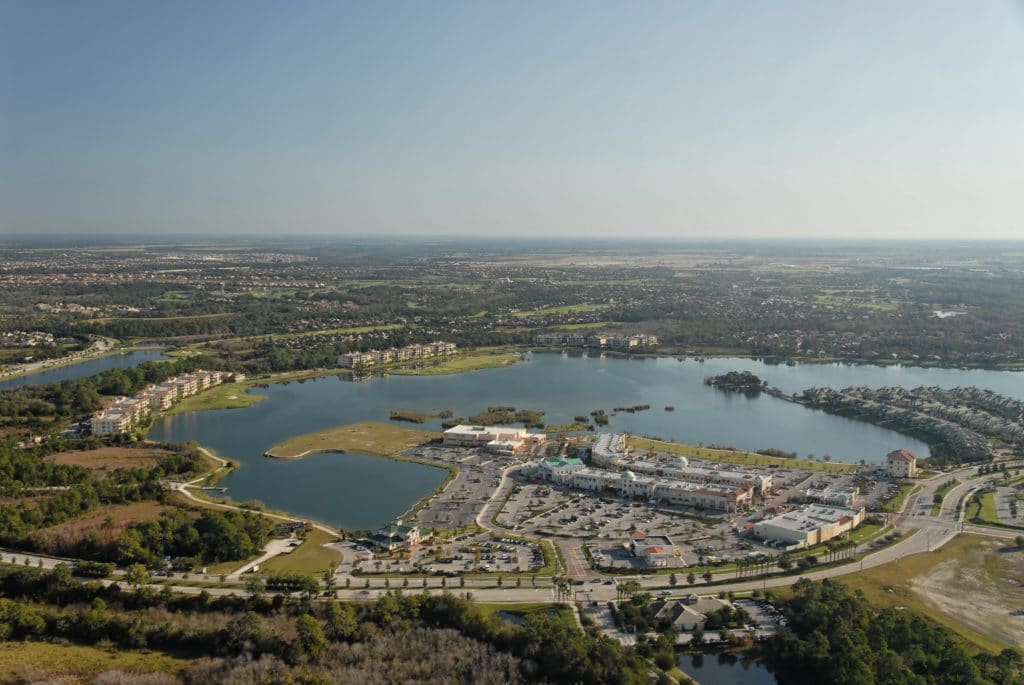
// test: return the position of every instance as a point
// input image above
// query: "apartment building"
(409, 352)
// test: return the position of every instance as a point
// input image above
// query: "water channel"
(70, 372)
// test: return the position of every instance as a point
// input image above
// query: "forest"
(836, 637)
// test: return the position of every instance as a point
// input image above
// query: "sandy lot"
(984, 588)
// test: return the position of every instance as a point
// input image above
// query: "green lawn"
(309, 557)
(894, 504)
(368, 437)
(566, 309)
(462, 363)
(226, 396)
(737, 457)
(942, 492)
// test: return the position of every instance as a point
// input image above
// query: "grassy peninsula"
(368, 437)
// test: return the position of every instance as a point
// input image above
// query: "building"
(497, 439)
(685, 615)
(836, 497)
(809, 525)
(656, 550)
(610, 451)
(901, 463)
(397, 535)
(127, 412)
(439, 348)
(573, 474)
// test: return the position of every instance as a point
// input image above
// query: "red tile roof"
(901, 455)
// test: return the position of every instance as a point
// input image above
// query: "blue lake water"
(87, 368)
(330, 488)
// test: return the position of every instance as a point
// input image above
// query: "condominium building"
(352, 360)
(126, 412)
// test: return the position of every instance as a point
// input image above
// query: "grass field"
(109, 458)
(982, 509)
(226, 396)
(368, 437)
(463, 363)
(970, 585)
(942, 492)
(566, 309)
(77, 661)
(737, 457)
(524, 609)
(309, 557)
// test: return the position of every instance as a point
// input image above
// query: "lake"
(330, 488)
(86, 368)
(725, 669)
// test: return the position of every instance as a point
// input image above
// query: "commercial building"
(573, 474)
(397, 535)
(656, 550)
(837, 497)
(497, 439)
(688, 614)
(610, 451)
(901, 463)
(809, 525)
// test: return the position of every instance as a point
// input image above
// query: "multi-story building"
(106, 423)
(901, 463)
(351, 360)
(127, 412)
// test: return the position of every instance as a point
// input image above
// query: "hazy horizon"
(662, 120)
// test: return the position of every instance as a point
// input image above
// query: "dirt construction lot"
(983, 588)
(973, 585)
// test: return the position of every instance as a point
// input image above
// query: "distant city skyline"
(680, 120)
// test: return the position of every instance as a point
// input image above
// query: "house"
(901, 463)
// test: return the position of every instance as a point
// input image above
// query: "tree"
(255, 585)
(673, 580)
(311, 638)
(330, 580)
(136, 576)
(707, 577)
(691, 578)
(339, 621)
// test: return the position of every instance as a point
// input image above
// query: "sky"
(588, 118)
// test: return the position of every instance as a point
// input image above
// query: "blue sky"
(670, 119)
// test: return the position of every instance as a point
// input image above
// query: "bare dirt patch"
(110, 458)
(983, 587)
